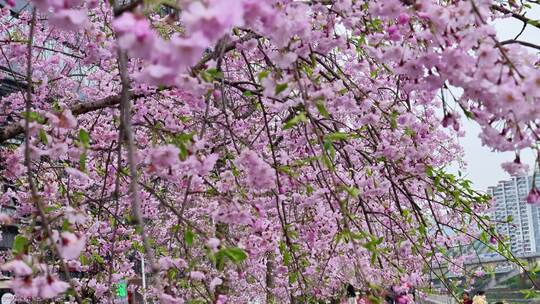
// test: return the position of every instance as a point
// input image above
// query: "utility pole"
(143, 273)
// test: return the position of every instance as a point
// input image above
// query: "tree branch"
(12, 130)
(515, 15)
(524, 43)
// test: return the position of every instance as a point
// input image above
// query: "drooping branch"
(36, 198)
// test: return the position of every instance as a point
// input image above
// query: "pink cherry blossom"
(393, 33)
(515, 168)
(74, 216)
(68, 19)
(63, 4)
(164, 156)
(135, 35)
(222, 299)
(283, 60)
(189, 49)
(533, 197)
(77, 175)
(532, 85)
(70, 245)
(403, 18)
(215, 19)
(5, 219)
(50, 287)
(18, 267)
(213, 243)
(260, 174)
(168, 299)
(98, 288)
(24, 287)
(259, 11)
(215, 282)
(197, 275)
(63, 120)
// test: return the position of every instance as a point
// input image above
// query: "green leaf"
(20, 244)
(50, 209)
(534, 22)
(309, 190)
(529, 293)
(56, 106)
(282, 247)
(33, 116)
(234, 170)
(287, 258)
(189, 236)
(393, 120)
(43, 137)
(262, 75)
(373, 258)
(372, 245)
(327, 162)
(182, 141)
(410, 132)
(361, 40)
(171, 274)
(99, 259)
(287, 170)
(300, 117)
(84, 260)
(484, 237)
(281, 87)
(293, 277)
(235, 254)
(220, 261)
(422, 230)
(215, 73)
(82, 162)
(353, 191)
(322, 109)
(184, 119)
(65, 225)
(336, 136)
(206, 77)
(84, 137)
(211, 74)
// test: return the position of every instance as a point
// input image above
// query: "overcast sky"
(483, 165)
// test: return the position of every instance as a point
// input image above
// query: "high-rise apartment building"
(516, 219)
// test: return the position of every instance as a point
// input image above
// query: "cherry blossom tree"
(253, 150)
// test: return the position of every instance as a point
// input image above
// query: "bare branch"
(524, 43)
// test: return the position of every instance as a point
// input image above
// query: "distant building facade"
(516, 219)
